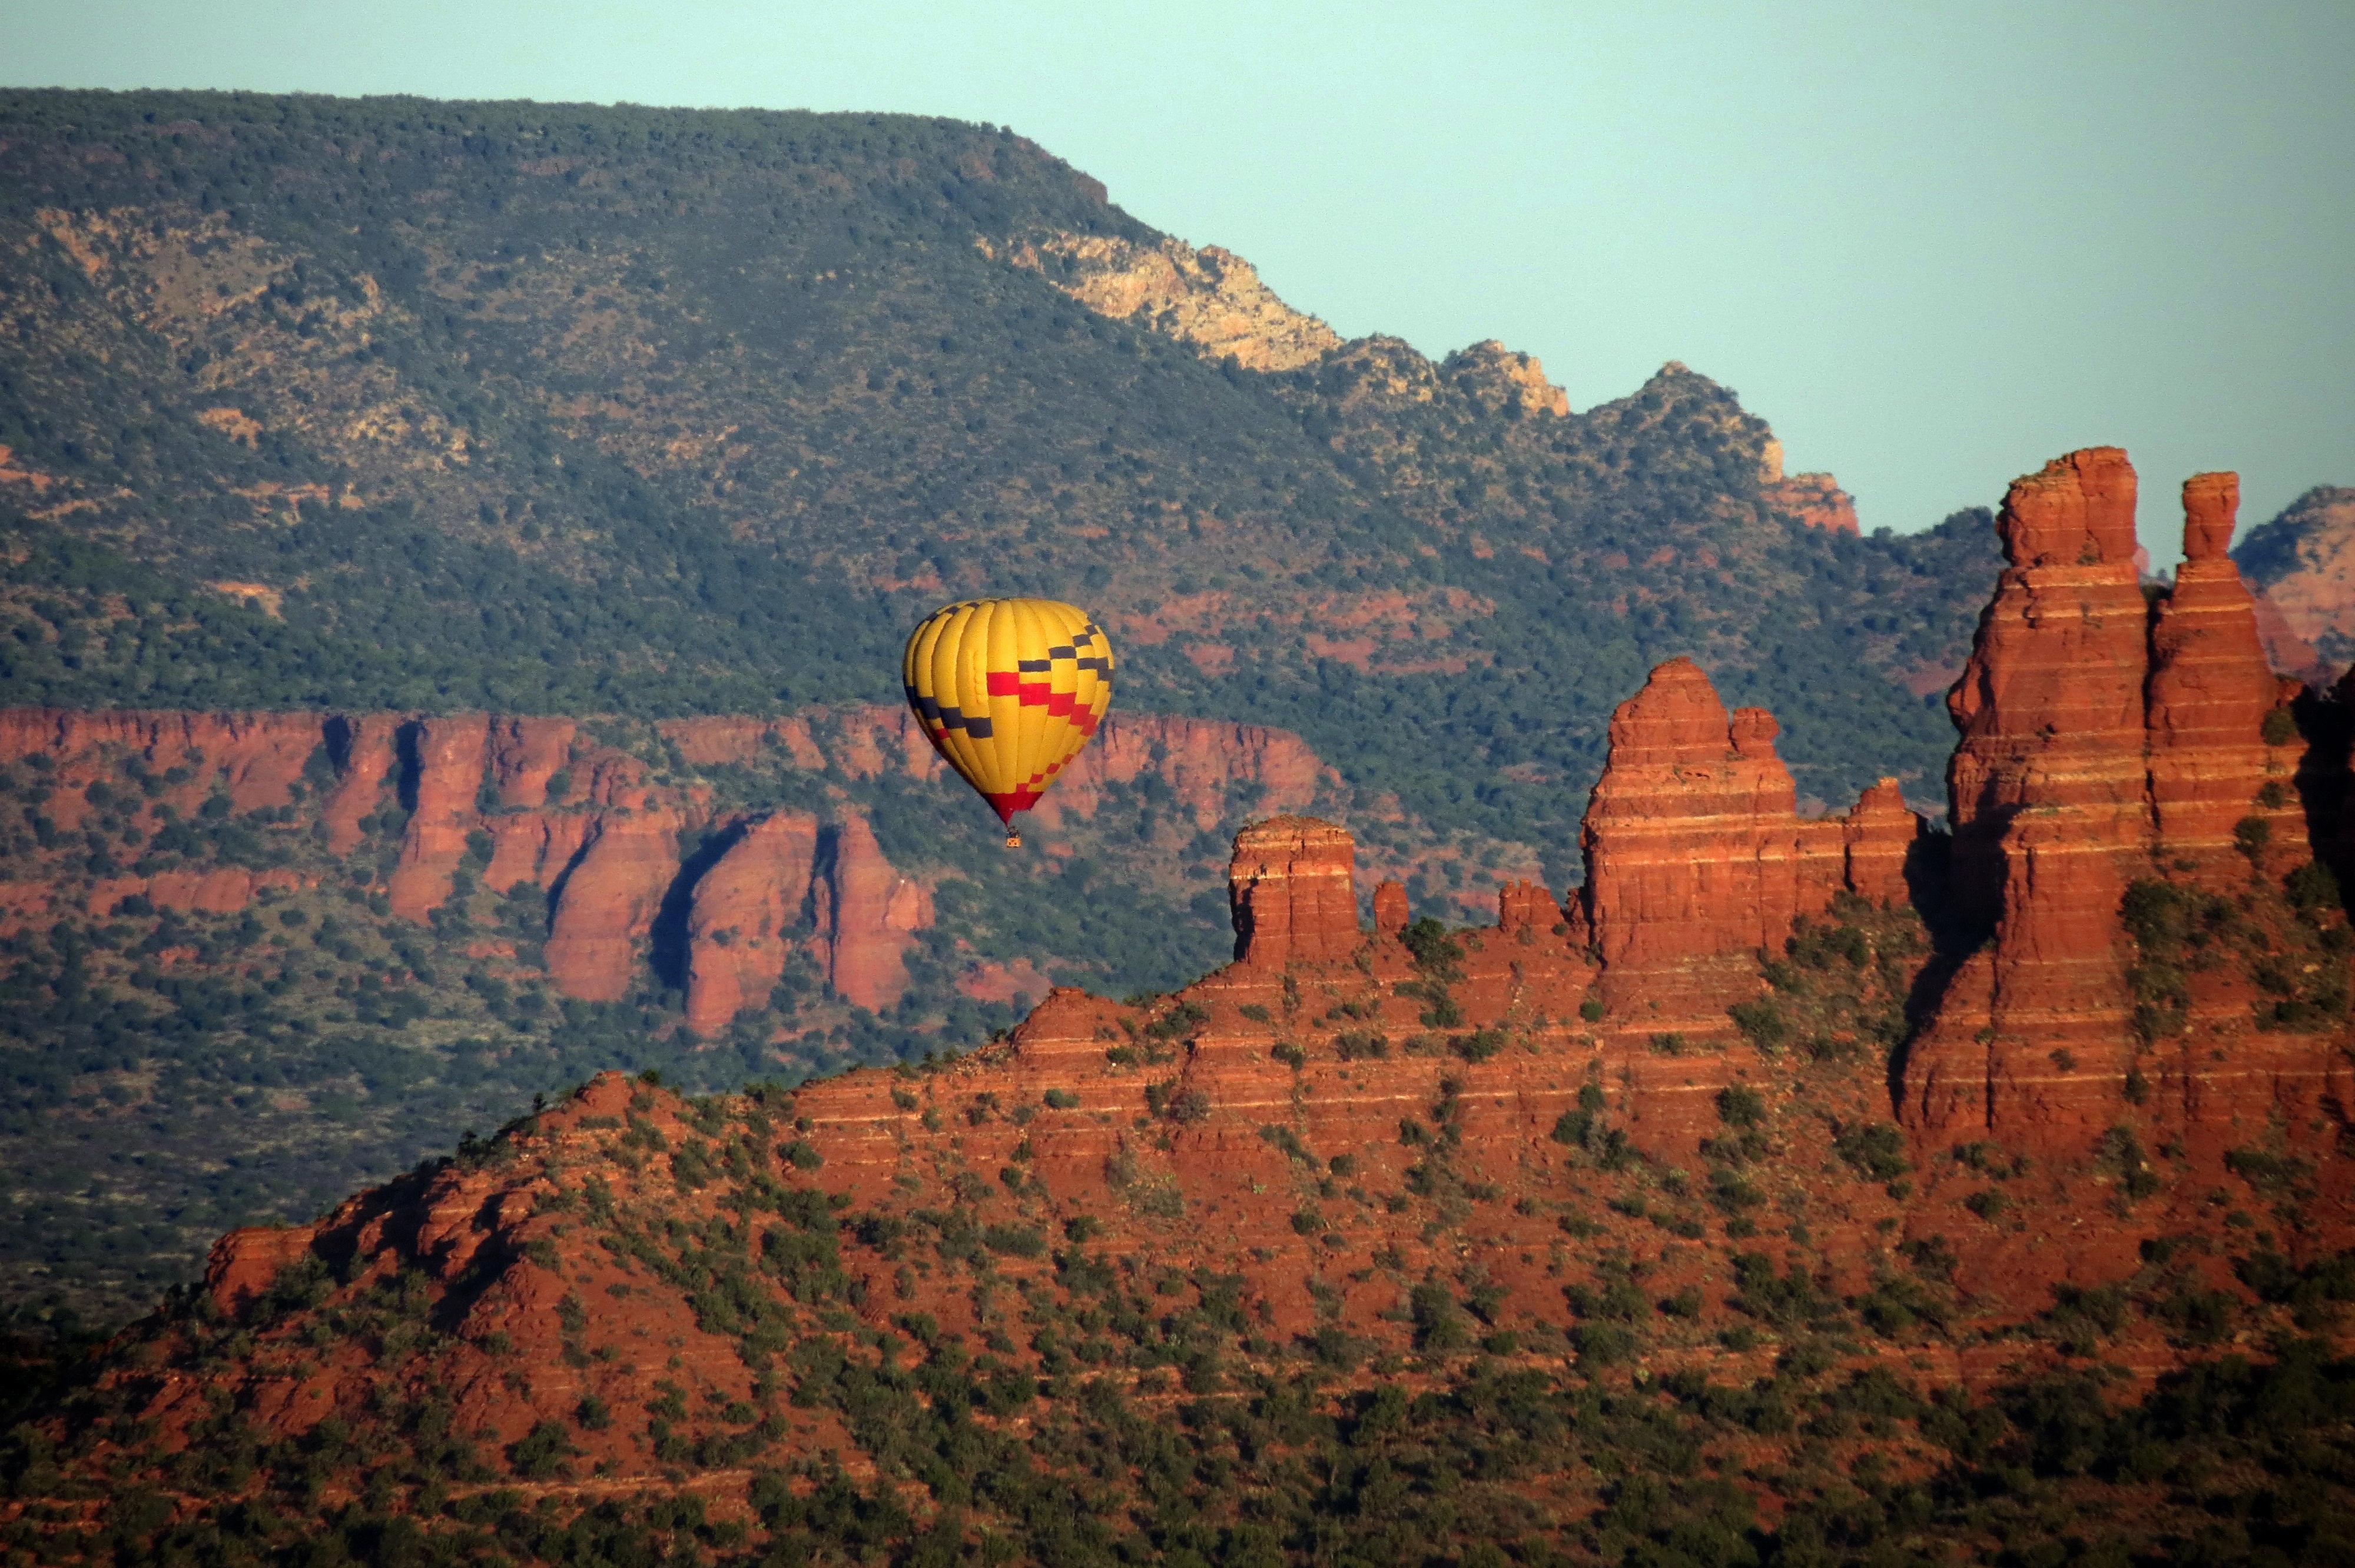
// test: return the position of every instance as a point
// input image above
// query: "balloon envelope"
(1009, 690)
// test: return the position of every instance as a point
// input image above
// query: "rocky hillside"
(402, 406)
(1797, 1189)
(324, 945)
(2302, 566)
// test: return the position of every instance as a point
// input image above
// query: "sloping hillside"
(408, 405)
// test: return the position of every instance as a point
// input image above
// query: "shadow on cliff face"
(337, 736)
(667, 945)
(409, 762)
(2325, 780)
(1929, 887)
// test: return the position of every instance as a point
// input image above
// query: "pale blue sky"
(1932, 245)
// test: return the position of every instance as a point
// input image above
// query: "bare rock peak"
(1211, 297)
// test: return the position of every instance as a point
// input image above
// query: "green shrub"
(2253, 836)
(1739, 1105)
(1874, 1149)
(1762, 1022)
(1433, 949)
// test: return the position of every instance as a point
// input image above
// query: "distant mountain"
(399, 404)
(2302, 566)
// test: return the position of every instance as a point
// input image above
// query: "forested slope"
(561, 408)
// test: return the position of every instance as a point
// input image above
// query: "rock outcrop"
(606, 904)
(2100, 744)
(1504, 380)
(447, 768)
(1527, 905)
(1211, 297)
(525, 754)
(864, 912)
(2049, 803)
(1815, 500)
(1292, 890)
(2210, 689)
(246, 1262)
(743, 909)
(256, 760)
(363, 772)
(1877, 840)
(1697, 857)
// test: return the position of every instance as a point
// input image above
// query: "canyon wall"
(515, 801)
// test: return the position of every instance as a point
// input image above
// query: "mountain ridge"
(381, 364)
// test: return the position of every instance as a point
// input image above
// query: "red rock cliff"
(449, 763)
(1695, 855)
(743, 909)
(1292, 886)
(2210, 691)
(607, 905)
(866, 911)
(368, 760)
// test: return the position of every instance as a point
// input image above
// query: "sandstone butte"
(521, 801)
(1342, 1113)
(2098, 741)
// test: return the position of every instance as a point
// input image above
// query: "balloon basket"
(1014, 838)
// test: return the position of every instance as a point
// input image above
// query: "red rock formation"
(245, 1262)
(368, 765)
(1519, 904)
(2210, 691)
(525, 753)
(2049, 813)
(608, 902)
(1390, 912)
(1814, 499)
(866, 911)
(742, 908)
(1697, 858)
(450, 759)
(1877, 839)
(1292, 886)
(2050, 704)
(1690, 833)
(255, 758)
(534, 847)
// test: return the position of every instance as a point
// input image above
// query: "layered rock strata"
(1292, 888)
(1697, 858)
(2099, 743)
(2210, 691)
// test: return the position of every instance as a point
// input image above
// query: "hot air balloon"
(1009, 690)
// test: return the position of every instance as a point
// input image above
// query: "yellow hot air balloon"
(1009, 690)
